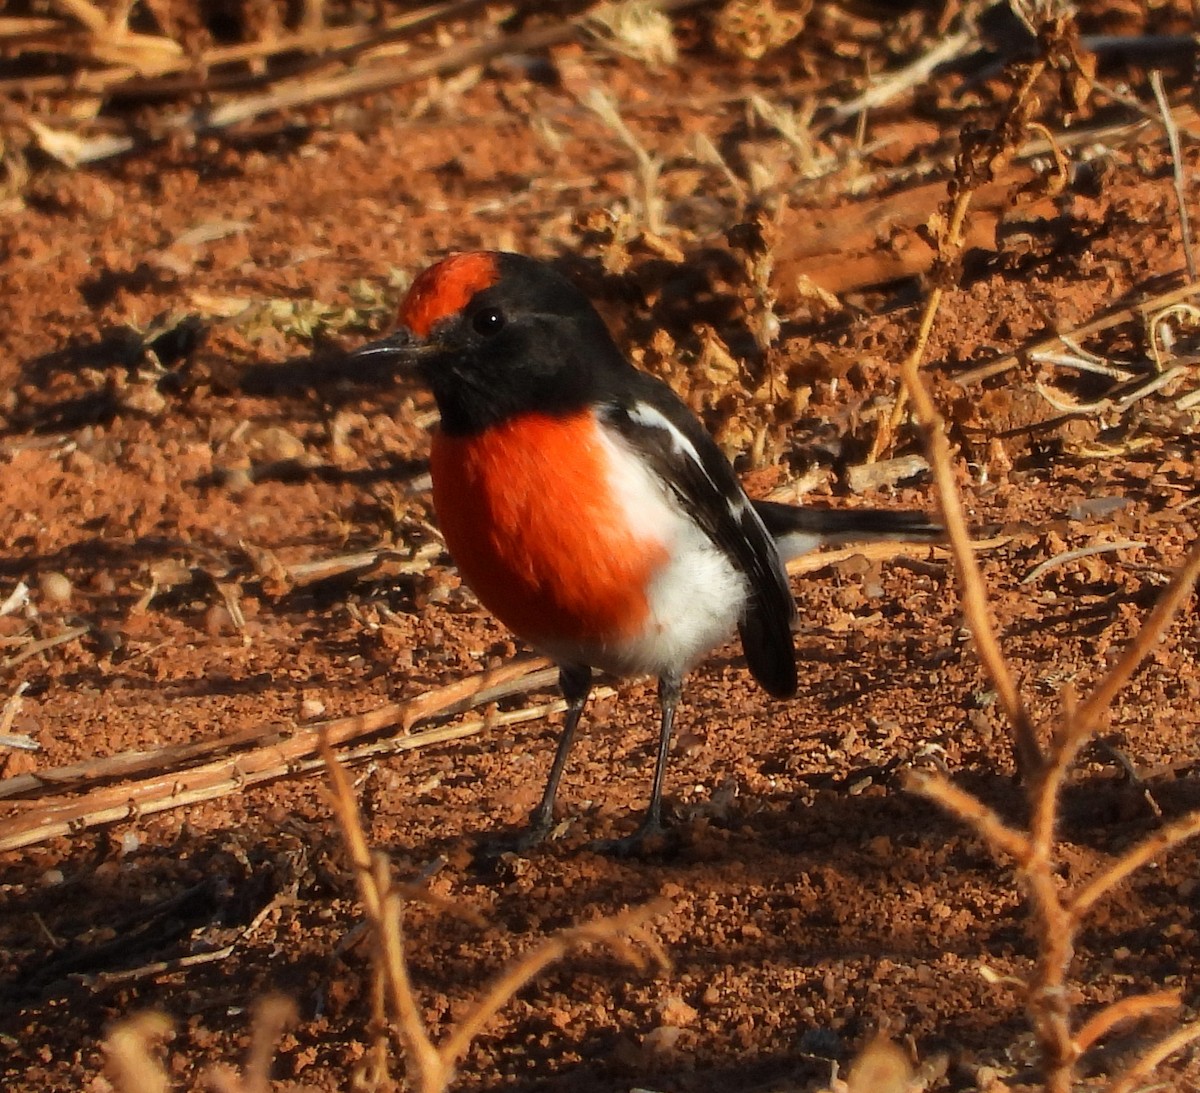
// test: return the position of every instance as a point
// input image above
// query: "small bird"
(588, 508)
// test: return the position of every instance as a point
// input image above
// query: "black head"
(497, 334)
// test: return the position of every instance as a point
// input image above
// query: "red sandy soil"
(811, 901)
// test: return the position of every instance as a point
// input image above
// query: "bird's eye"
(488, 322)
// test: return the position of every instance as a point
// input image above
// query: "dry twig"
(308, 88)
(888, 87)
(45, 644)
(432, 1066)
(183, 774)
(1069, 556)
(1056, 914)
(1185, 221)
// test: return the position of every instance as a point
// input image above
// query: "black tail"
(798, 529)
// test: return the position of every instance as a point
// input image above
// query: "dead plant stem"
(976, 608)
(1133, 1008)
(1150, 849)
(529, 966)
(1140, 1070)
(1146, 638)
(972, 811)
(383, 908)
(1177, 172)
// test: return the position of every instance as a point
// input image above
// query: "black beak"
(401, 346)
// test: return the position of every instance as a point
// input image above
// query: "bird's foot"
(492, 847)
(652, 838)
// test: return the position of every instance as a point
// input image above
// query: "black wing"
(686, 457)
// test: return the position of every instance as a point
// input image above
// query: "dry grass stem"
(976, 608)
(308, 88)
(134, 1065)
(82, 796)
(649, 166)
(1135, 1008)
(1177, 174)
(635, 28)
(881, 551)
(794, 126)
(1056, 913)
(1109, 319)
(1068, 556)
(1106, 404)
(132, 1056)
(894, 84)
(384, 909)
(104, 980)
(107, 980)
(273, 1015)
(8, 714)
(45, 644)
(976, 165)
(431, 1066)
(88, 14)
(1150, 849)
(1044, 787)
(616, 932)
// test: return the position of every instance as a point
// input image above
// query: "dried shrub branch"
(273, 1015)
(1178, 172)
(980, 160)
(1134, 1008)
(1105, 321)
(132, 1058)
(69, 799)
(1151, 849)
(1168, 605)
(972, 811)
(1056, 912)
(1133, 1077)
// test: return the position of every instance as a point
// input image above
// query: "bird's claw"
(650, 839)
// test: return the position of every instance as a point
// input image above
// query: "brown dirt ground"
(812, 901)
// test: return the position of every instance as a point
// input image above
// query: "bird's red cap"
(446, 288)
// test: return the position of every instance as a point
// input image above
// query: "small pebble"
(311, 709)
(55, 588)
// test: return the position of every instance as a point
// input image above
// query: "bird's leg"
(575, 681)
(669, 690)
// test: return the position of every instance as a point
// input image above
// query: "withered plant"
(1044, 751)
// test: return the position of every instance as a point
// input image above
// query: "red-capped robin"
(587, 507)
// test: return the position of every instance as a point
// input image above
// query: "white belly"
(695, 599)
